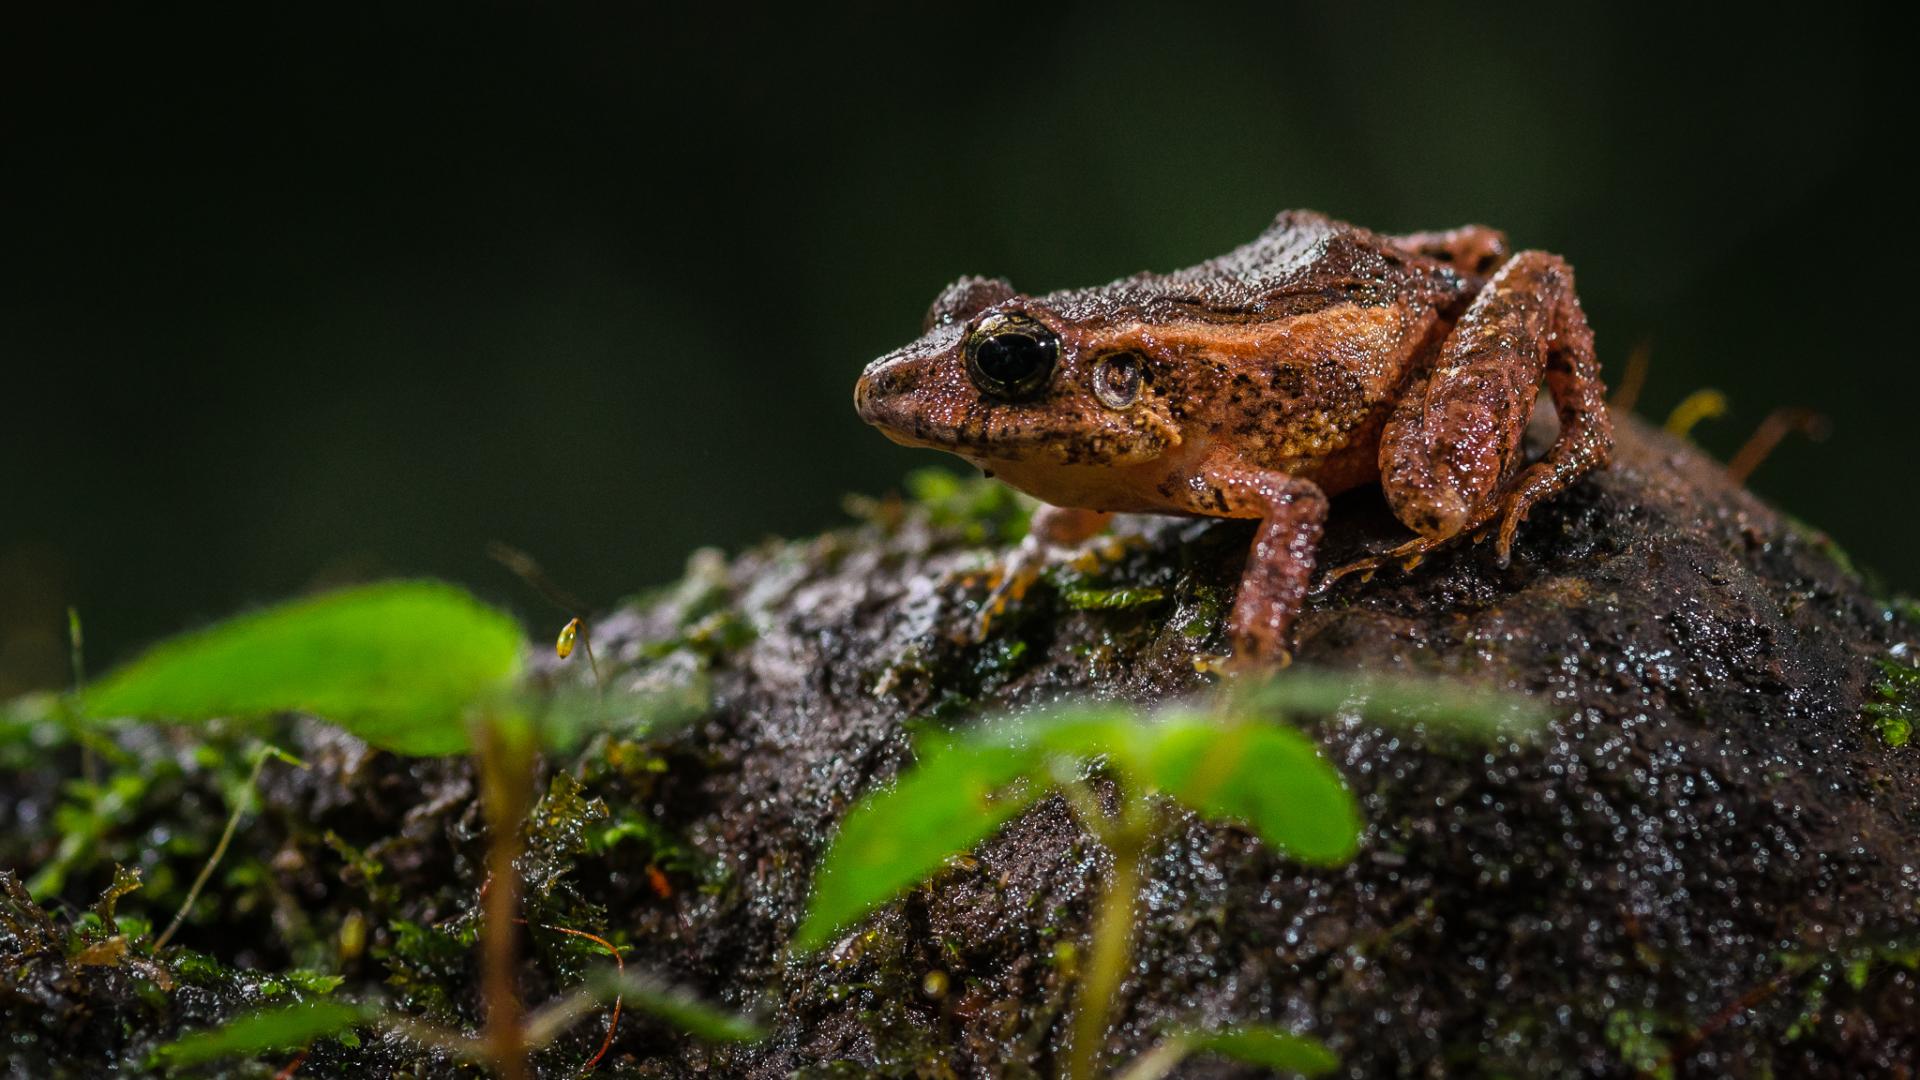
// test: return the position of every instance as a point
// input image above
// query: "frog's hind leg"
(1450, 454)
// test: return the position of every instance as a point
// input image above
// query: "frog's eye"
(1011, 355)
(1116, 380)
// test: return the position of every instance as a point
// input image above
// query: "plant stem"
(506, 781)
(219, 850)
(1112, 936)
(77, 655)
(1158, 1061)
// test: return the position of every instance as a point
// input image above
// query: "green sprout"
(1267, 777)
(1228, 763)
(418, 668)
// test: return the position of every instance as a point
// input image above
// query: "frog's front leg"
(1449, 454)
(1052, 528)
(1280, 566)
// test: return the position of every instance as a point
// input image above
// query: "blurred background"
(296, 295)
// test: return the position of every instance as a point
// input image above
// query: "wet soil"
(1710, 866)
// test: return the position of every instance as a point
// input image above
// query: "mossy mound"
(1709, 867)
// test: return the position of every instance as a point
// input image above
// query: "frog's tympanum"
(1318, 358)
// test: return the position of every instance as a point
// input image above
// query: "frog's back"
(1289, 349)
(1303, 262)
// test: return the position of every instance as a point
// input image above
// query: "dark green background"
(314, 294)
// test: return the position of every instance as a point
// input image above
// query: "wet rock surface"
(1709, 866)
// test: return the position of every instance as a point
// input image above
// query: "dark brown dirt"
(1710, 850)
(1710, 866)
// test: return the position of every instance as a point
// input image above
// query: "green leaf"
(1081, 731)
(289, 1027)
(677, 1007)
(956, 797)
(398, 664)
(1269, 778)
(1270, 1047)
(1444, 706)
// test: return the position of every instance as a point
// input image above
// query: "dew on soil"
(1709, 864)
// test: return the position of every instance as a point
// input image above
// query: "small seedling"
(1233, 768)
(414, 667)
(1228, 763)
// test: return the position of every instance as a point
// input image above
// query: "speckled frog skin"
(1317, 358)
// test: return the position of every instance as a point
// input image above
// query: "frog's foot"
(1528, 488)
(1511, 507)
(1008, 585)
(1055, 529)
(1408, 555)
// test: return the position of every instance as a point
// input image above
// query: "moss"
(982, 510)
(429, 968)
(1894, 702)
(733, 809)
(1116, 599)
(1635, 1037)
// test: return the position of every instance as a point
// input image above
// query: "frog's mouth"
(974, 433)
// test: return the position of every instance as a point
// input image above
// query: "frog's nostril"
(876, 386)
(866, 395)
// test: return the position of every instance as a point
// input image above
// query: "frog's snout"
(867, 392)
(878, 393)
(900, 395)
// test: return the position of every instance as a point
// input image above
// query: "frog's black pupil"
(1013, 359)
(1010, 356)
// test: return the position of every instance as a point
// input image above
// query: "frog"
(1318, 358)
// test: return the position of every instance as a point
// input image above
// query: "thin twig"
(1158, 1061)
(546, 1024)
(1742, 1004)
(438, 1038)
(1700, 405)
(527, 569)
(219, 850)
(506, 785)
(1086, 807)
(77, 653)
(586, 643)
(1634, 379)
(1775, 427)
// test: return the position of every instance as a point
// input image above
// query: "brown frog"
(1317, 358)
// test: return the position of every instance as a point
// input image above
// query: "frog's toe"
(1408, 555)
(1515, 507)
(1364, 567)
(1008, 586)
